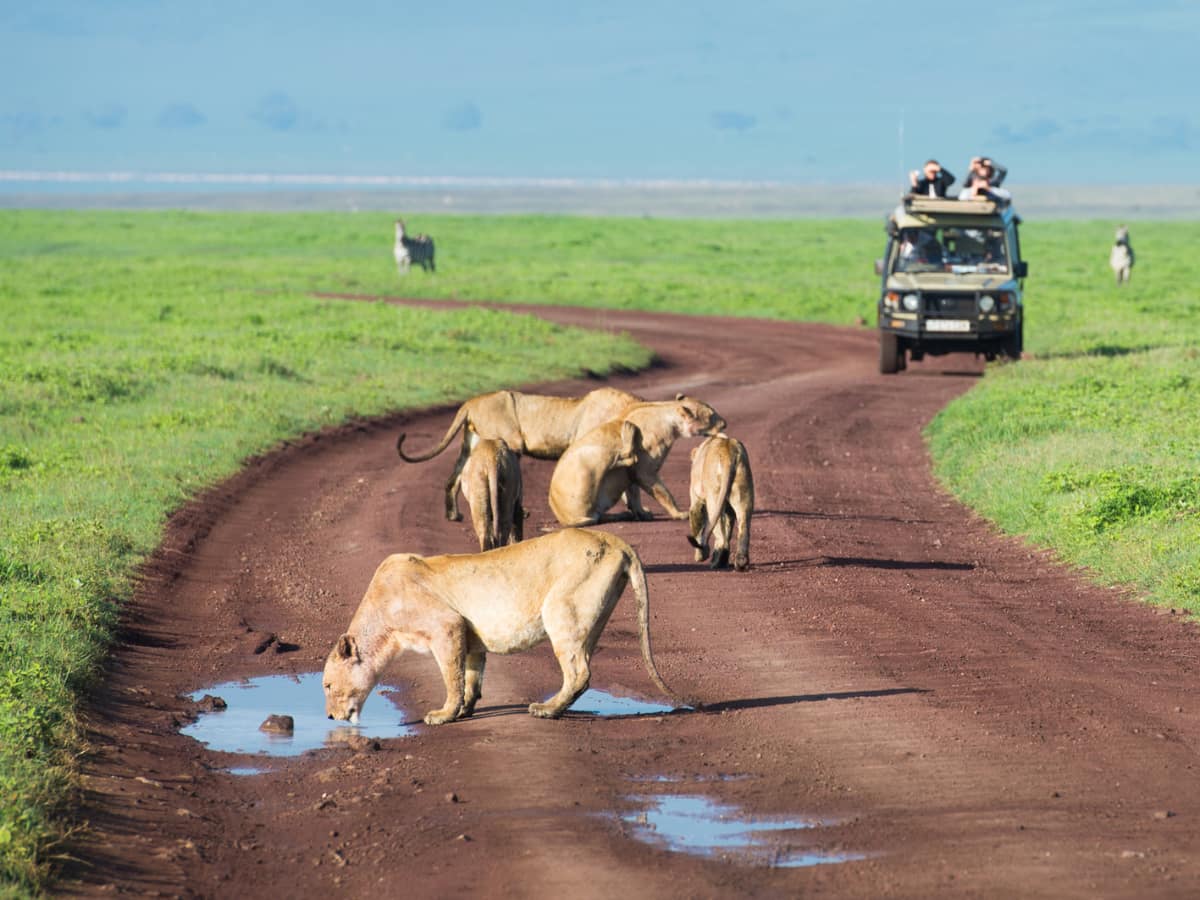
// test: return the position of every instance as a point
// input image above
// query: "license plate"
(947, 325)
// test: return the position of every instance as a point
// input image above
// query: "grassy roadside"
(145, 354)
(1093, 446)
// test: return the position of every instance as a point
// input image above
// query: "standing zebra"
(409, 250)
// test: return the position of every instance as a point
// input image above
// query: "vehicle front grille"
(949, 304)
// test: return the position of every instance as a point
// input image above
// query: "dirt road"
(956, 714)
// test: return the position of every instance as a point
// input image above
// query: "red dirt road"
(974, 718)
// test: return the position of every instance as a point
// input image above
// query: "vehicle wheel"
(1015, 344)
(889, 354)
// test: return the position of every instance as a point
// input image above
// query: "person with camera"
(932, 180)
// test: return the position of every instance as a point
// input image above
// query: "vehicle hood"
(949, 281)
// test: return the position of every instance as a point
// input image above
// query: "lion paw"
(544, 710)
(440, 717)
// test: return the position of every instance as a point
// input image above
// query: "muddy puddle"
(236, 728)
(698, 825)
(601, 703)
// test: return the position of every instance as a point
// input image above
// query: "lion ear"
(680, 396)
(347, 647)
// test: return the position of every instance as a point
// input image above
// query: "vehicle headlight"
(911, 302)
(987, 303)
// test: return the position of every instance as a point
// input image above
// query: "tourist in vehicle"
(919, 246)
(982, 189)
(932, 180)
(984, 168)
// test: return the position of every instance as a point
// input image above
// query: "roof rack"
(915, 203)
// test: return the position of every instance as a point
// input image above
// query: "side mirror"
(879, 266)
(1021, 269)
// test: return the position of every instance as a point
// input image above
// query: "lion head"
(348, 680)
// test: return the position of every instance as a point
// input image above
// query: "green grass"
(1093, 446)
(145, 355)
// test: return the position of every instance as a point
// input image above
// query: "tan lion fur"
(562, 587)
(722, 492)
(491, 482)
(531, 424)
(623, 455)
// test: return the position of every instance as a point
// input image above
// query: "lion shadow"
(509, 709)
(791, 699)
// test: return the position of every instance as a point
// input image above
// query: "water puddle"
(694, 824)
(602, 703)
(247, 770)
(235, 729)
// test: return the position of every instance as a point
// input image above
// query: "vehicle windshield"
(950, 249)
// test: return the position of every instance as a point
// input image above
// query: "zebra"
(409, 250)
(1121, 257)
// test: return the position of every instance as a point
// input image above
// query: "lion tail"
(637, 581)
(714, 515)
(459, 420)
(494, 503)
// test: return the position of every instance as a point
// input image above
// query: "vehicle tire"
(889, 353)
(1015, 344)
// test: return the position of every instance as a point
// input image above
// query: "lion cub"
(560, 587)
(722, 490)
(491, 482)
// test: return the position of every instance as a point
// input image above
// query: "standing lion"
(491, 482)
(722, 495)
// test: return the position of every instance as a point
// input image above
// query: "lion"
(623, 455)
(722, 491)
(491, 482)
(532, 424)
(562, 587)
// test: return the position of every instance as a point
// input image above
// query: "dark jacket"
(941, 184)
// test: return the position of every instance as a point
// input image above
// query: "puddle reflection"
(235, 729)
(602, 703)
(700, 826)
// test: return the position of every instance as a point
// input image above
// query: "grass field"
(146, 354)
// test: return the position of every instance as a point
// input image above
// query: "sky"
(856, 91)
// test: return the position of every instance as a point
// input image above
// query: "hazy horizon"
(659, 198)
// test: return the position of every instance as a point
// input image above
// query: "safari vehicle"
(952, 279)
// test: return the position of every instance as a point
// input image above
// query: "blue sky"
(857, 91)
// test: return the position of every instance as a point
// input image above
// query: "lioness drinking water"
(562, 587)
